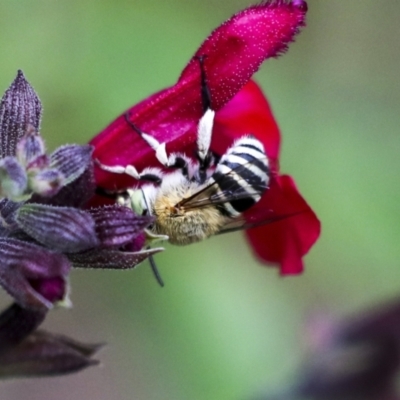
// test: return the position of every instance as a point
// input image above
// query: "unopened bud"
(46, 183)
(13, 179)
(30, 147)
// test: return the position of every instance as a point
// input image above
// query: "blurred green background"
(224, 327)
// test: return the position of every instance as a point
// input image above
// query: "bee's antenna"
(132, 125)
(205, 90)
(155, 271)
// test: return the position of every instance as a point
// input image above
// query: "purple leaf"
(111, 259)
(16, 323)
(64, 229)
(117, 226)
(71, 160)
(47, 354)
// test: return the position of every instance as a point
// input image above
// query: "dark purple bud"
(137, 244)
(13, 179)
(30, 147)
(32, 275)
(16, 323)
(354, 359)
(383, 321)
(52, 289)
(117, 226)
(19, 107)
(47, 183)
(64, 229)
(71, 161)
(47, 354)
(110, 259)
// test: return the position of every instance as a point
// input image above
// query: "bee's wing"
(241, 222)
(207, 196)
(211, 194)
(275, 205)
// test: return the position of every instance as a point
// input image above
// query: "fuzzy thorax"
(185, 226)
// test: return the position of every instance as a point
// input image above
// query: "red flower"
(233, 52)
(295, 227)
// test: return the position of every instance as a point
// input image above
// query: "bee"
(192, 200)
(189, 208)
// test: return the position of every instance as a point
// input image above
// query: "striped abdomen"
(242, 176)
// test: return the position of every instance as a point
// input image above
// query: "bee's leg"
(205, 126)
(158, 147)
(153, 175)
(177, 161)
(155, 271)
(204, 133)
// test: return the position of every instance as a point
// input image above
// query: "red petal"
(286, 241)
(237, 48)
(234, 51)
(295, 228)
(248, 112)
